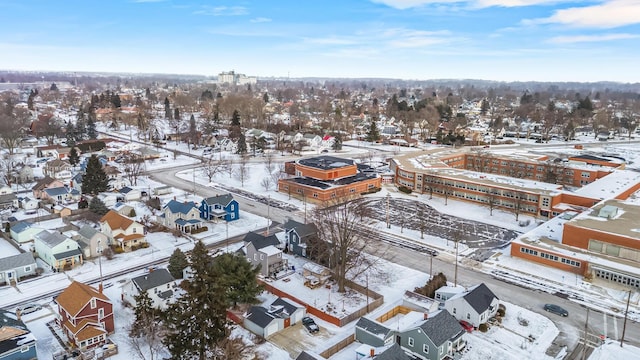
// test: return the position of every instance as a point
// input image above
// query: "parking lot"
(296, 339)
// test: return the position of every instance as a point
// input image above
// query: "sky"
(503, 40)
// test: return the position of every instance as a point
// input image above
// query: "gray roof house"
(308, 355)
(389, 352)
(298, 236)
(57, 250)
(475, 306)
(373, 333)
(158, 284)
(91, 241)
(15, 267)
(8, 200)
(281, 314)
(262, 251)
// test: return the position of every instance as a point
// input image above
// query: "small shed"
(314, 274)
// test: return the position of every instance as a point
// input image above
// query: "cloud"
(408, 38)
(591, 38)
(409, 4)
(222, 11)
(260, 20)
(609, 14)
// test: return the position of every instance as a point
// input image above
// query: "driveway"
(296, 339)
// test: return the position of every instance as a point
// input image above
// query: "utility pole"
(584, 349)
(431, 266)
(626, 315)
(388, 223)
(455, 276)
(268, 213)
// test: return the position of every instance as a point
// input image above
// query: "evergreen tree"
(70, 134)
(74, 158)
(177, 263)
(337, 142)
(53, 87)
(32, 96)
(238, 277)
(115, 100)
(91, 128)
(242, 145)
(176, 114)
(265, 97)
(373, 134)
(167, 109)
(96, 206)
(196, 322)
(193, 130)
(145, 313)
(235, 118)
(81, 127)
(94, 180)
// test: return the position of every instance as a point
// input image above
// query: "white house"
(28, 203)
(130, 194)
(122, 231)
(24, 231)
(15, 267)
(475, 306)
(57, 250)
(5, 189)
(266, 321)
(181, 215)
(158, 284)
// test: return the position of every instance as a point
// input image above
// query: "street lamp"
(99, 249)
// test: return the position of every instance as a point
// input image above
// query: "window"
(100, 313)
(425, 348)
(24, 349)
(454, 310)
(27, 268)
(261, 256)
(468, 316)
(410, 341)
(231, 207)
(255, 257)
(93, 303)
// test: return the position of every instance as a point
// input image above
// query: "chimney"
(100, 287)
(425, 316)
(174, 198)
(19, 314)
(372, 352)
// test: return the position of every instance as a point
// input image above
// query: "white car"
(28, 308)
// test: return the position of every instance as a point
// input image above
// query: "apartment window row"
(570, 262)
(529, 251)
(619, 278)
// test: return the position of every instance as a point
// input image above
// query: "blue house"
(17, 342)
(220, 207)
(299, 237)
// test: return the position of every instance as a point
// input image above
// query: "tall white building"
(230, 77)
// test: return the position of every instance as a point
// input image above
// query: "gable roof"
(260, 241)
(51, 239)
(223, 200)
(13, 333)
(373, 327)
(116, 221)
(77, 295)
(180, 207)
(16, 261)
(21, 226)
(303, 230)
(153, 279)
(441, 327)
(57, 191)
(393, 352)
(260, 316)
(87, 231)
(42, 183)
(284, 304)
(306, 355)
(480, 298)
(7, 198)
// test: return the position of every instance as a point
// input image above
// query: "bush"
(371, 191)
(501, 310)
(429, 289)
(483, 327)
(154, 203)
(404, 189)
(132, 213)
(108, 253)
(118, 249)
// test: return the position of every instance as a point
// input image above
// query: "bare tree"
(148, 345)
(268, 162)
(518, 203)
(213, 167)
(343, 242)
(492, 200)
(242, 171)
(267, 183)
(133, 167)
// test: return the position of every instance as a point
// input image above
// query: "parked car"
(467, 326)
(553, 308)
(311, 325)
(28, 308)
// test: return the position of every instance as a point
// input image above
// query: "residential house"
(85, 315)
(123, 209)
(281, 314)
(57, 250)
(420, 335)
(60, 194)
(328, 141)
(76, 182)
(434, 338)
(313, 141)
(388, 352)
(220, 207)
(23, 231)
(262, 251)
(308, 355)
(184, 216)
(16, 341)
(91, 241)
(227, 144)
(130, 194)
(298, 237)
(158, 284)
(44, 183)
(114, 175)
(5, 189)
(110, 198)
(9, 200)
(58, 169)
(444, 293)
(15, 267)
(122, 231)
(24, 175)
(28, 203)
(475, 306)
(63, 211)
(419, 302)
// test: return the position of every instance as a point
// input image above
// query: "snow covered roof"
(270, 250)
(611, 185)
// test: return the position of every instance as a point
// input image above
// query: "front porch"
(67, 260)
(188, 226)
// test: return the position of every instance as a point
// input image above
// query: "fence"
(335, 348)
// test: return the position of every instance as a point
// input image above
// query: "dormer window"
(93, 303)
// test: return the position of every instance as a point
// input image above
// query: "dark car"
(552, 308)
(467, 327)
(311, 325)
